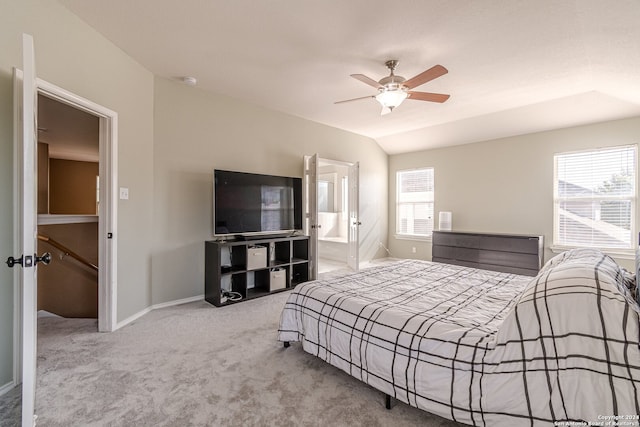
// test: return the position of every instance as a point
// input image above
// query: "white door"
(311, 211)
(26, 179)
(354, 217)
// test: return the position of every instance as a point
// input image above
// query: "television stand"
(248, 237)
(254, 268)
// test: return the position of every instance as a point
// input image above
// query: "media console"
(254, 268)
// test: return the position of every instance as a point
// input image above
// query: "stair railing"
(67, 252)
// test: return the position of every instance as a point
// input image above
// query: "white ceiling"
(515, 66)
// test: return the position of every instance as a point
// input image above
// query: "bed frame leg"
(387, 401)
(286, 344)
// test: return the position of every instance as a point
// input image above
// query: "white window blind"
(414, 202)
(595, 198)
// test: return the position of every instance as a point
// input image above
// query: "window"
(595, 198)
(325, 196)
(345, 194)
(414, 196)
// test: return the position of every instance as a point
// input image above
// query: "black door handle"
(29, 261)
(45, 258)
(11, 261)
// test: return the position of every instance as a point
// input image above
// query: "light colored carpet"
(196, 365)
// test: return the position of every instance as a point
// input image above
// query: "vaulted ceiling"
(515, 66)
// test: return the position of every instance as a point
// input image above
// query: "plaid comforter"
(481, 347)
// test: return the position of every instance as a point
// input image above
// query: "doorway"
(26, 88)
(333, 215)
(24, 307)
(106, 196)
(68, 157)
(332, 223)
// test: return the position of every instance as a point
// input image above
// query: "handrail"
(67, 251)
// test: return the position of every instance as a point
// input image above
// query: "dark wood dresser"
(508, 253)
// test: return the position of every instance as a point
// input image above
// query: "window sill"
(615, 253)
(412, 237)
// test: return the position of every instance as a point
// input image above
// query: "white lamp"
(391, 98)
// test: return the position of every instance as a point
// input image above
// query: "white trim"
(336, 162)
(147, 310)
(132, 318)
(413, 237)
(62, 95)
(108, 207)
(108, 222)
(49, 219)
(17, 233)
(178, 302)
(58, 153)
(28, 224)
(7, 387)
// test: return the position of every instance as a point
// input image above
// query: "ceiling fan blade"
(432, 73)
(426, 96)
(367, 80)
(354, 99)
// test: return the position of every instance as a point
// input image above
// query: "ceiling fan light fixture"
(391, 98)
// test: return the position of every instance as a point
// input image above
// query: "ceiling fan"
(392, 90)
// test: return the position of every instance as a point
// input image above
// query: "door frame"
(107, 212)
(310, 204)
(353, 244)
(311, 166)
(108, 206)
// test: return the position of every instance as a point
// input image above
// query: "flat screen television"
(250, 204)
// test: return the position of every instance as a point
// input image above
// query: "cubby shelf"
(254, 268)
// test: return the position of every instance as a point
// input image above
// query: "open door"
(26, 89)
(25, 104)
(311, 211)
(344, 232)
(353, 244)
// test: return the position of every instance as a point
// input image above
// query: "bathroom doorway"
(332, 214)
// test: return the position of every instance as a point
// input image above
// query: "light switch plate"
(124, 193)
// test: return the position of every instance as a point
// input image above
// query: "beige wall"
(43, 178)
(163, 225)
(67, 287)
(195, 132)
(73, 56)
(504, 185)
(72, 187)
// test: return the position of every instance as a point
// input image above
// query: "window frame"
(398, 203)
(625, 253)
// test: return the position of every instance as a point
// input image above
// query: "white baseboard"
(132, 318)
(141, 313)
(178, 302)
(7, 387)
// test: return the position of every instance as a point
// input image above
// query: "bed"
(482, 347)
